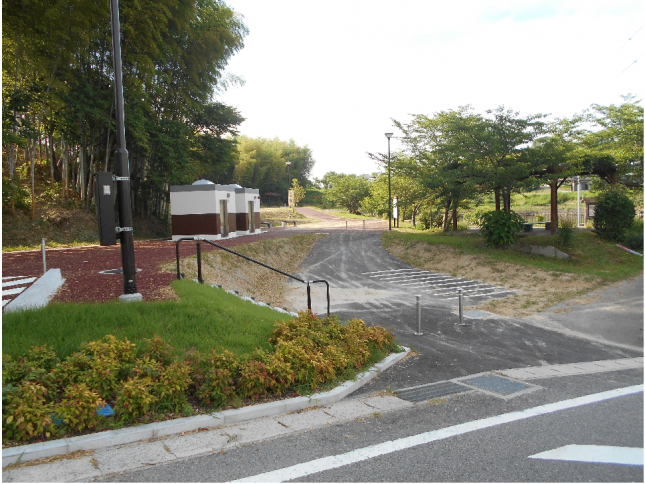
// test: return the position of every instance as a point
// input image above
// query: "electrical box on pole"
(105, 214)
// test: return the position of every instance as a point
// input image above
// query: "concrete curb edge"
(38, 294)
(129, 435)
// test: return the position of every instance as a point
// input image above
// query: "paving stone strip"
(154, 451)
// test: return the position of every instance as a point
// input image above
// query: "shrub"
(78, 408)
(172, 386)
(614, 215)
(255, 379)
(135, 398)
(27, 413)
(215, 378)
(500, 227)
(566, 231)
(539, 218)
(158, 349)
(110, 348)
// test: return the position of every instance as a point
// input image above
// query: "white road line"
(474, 295)
(6, 301)
(13, 277)
(19, 281)
(9, 292)
(470, 291)
(390, 270)
(446, 278)
(596, 454)
(358, 455)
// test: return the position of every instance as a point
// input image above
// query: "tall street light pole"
(122, 169)
(288, 163)
(389, 182)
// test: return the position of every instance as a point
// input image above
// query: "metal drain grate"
(497, 384)
(428, 392)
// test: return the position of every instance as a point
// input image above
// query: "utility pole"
(122, 169)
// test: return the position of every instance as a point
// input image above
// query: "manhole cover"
(496, 384)
(428, 392)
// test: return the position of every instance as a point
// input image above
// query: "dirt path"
(317, 214)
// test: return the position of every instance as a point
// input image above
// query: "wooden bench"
(528, 226)
(285, 222)
(265, 224)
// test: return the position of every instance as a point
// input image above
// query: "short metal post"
(418, 333)
(346, 226)
(461, 306)
(308, 296)
(199, 263)
(363, 225)
(42, 243)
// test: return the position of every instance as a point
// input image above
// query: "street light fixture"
(389, 182)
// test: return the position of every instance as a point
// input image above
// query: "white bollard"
(461, 306)
(418, 333)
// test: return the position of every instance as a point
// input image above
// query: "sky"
(332, 75)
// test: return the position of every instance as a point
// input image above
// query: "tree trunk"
(445, 216)
(554, 205)
(497, 200)
(454, 216)
(431, 215)
(32, 159)
(51, 158)
(64, 167)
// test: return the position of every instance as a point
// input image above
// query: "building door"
(251, 217)
(223, 217)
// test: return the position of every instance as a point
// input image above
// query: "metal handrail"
(201, 280)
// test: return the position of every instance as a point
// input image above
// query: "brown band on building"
(195, 224)
(242, 221)
(232, 223)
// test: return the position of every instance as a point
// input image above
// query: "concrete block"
(174, 427)
(68, 470)
(387, 403)
(38, 294)
(119, 459)
(254, 411)
(110, 438)
(298, 403)
(307, 420)
(33, 451)
(350, 409)
(197, 443)
(260, 429)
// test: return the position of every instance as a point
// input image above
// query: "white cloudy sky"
(332, 74)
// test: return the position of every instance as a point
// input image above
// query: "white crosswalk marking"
(16, 290)
(17, 282)
(440, 285)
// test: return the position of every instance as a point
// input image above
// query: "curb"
(129, 435)
(38, 294)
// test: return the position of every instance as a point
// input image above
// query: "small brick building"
(213, 211)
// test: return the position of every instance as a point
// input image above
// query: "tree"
(348, 191)
(298, 191)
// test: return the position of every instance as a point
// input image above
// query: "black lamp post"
(122, 169)
(389, 182)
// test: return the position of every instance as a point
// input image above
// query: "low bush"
(43, 396)
(565, 232)
(499, 227)
(614, 215)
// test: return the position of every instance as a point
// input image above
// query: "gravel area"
(82, 266)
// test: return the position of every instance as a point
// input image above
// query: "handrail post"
(308, 296)
(199, 263)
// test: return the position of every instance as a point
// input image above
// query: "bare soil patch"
(237, 274)
(537, 289)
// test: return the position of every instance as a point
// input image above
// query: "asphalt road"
(500, 453)
(446, 349)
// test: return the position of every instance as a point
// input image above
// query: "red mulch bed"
(81, 266)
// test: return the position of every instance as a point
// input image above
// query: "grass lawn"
(204, 317)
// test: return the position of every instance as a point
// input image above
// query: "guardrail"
(199, 267)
